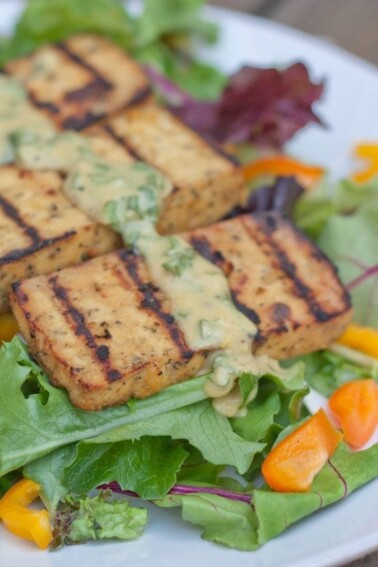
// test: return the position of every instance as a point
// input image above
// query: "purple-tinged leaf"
(169, 91)
(263, 106)
(184, 489)
(281, 197)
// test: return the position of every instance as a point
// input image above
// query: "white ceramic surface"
(348, 529)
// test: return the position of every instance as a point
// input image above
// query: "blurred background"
(351, 24)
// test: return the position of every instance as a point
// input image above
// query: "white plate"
(350, 528)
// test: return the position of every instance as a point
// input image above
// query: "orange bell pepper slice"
(355, 406)
(369, 153)
(292, 464)
(8, 327)
(33, 525)
(281, 165)
(360, 338)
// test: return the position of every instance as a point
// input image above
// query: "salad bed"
(176, 439)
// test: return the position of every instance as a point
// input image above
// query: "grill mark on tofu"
(97, 86)
(43, 105)
(121, 141)
(139, 97)
(203, 247)
(268, 225)
(80, 122)
(247, 311)
(92, 89)
(37, 241)
(74, 316)
(20, 253)
(152, 303)
(12, 212)
(105, 84)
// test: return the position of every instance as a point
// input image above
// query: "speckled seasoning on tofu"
(40, 230)
(106, 333)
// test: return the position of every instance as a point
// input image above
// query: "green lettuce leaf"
(222, 520)
(246, 527)
(204, 428)
(8, 480)
(201, 80)
(172, 17)
(161, 36)
(260, 417)
(197, 469)
(327, 371)
(147, 466)
(34, 424)
(82, 519)
(48, 472)
(351, 242)
(345, 472)
(344, 221)
(40, 24)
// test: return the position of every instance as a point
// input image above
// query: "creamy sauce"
(199, 294)
(110, 193)
(129, 197)
(201, 303)
(59, 152)
(18, 118)
(116, 194)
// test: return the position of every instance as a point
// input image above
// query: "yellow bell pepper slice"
(369, 153)
(364, 339)
(33, 525)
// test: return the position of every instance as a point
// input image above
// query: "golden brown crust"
(280, 280)
(207, 183)
(104, 332)
(101, 330)
(40, 230)
(79, 81)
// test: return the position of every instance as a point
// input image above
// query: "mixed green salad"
(174, 449)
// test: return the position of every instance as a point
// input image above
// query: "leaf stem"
(185, 489)
(368, 273)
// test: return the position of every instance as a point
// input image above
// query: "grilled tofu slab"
(79, 81)
(280, 280)
(40, 230)
(104, 331)
(207, 182)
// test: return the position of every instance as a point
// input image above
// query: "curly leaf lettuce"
(246, 526)
(147, 466)
(343, 219)
(81, 519)
(200, 425)
(172, 17)
(40, 24)
(351, 242)
(34, 424)
(327, 371)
